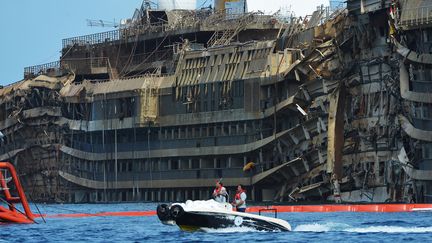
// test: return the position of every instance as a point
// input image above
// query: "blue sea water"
(307, 227)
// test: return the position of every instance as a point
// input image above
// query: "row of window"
(171, 133)
(124, 166)
(421, 110)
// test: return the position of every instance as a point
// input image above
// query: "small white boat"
(202, 215)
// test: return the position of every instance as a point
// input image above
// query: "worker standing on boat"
(240, 199)
(220, 193)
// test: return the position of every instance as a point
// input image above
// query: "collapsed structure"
(334, 106)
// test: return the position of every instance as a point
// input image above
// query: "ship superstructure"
(334, 106)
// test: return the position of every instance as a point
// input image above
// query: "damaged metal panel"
(424, 175)
(335, 132)
(414, 132)
(413, 56)
(405, 91)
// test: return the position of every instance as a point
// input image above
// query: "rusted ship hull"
(335, 107)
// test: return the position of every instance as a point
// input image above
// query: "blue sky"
(32, 30)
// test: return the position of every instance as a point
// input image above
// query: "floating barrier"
(102, 214)
(366, 208)
(13, 193)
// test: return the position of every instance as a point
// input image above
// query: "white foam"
(316, 227)
(391, 229)
(336, 227)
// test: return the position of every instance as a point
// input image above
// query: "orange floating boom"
(103, 214)
(13, 215)
(369, 208)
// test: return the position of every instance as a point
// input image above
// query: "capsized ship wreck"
(334, 106)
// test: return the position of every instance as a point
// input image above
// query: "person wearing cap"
(220, 193)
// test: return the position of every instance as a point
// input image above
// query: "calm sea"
(307, 227)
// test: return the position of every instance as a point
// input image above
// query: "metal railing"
(73, 64)
(92, 39)
(124, 33)
(87, 65)
(41, 69)
(416, 16)
(145, 75)
(131, 31)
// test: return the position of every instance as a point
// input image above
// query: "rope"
(142, 72)
(11, 205)
(151, 54)
(64, 209)
(37, 208)
(130, 58)
(31, 198)
(67, 52)
(118, 55)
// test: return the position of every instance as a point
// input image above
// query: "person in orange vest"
(240, 199)
(220, 193)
